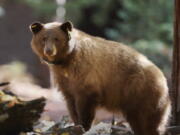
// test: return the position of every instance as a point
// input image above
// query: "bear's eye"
(56, 39)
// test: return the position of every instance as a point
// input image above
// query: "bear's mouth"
(52, 62)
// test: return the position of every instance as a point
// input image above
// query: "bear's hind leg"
(147, 123)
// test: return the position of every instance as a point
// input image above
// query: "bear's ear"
(67, 26)
(36, 27)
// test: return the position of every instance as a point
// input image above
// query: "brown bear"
(94, 72)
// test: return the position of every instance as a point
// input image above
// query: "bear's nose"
(50, 51)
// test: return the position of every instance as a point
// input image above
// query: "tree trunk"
(60, 11)
(175, 94)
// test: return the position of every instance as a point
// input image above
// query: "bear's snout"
(50, 50)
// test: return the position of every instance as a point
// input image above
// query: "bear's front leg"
(72, 109)
(86, 105)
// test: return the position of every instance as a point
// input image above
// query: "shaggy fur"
(92, 72)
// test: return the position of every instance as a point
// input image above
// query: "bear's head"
(52, 41)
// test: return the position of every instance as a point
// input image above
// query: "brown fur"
(99, 72)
